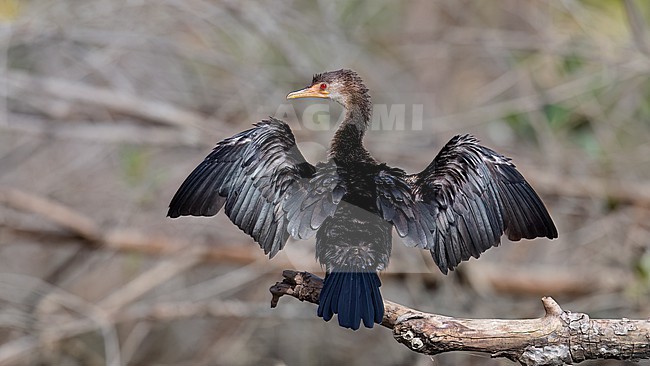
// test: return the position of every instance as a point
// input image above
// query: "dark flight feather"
(464, 201)
(264, 182)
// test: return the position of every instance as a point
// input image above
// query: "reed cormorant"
(457, 207)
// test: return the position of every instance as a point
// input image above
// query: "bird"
(459, 206)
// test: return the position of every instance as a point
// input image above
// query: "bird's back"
(356, 225)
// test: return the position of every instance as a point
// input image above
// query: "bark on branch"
(559, 337)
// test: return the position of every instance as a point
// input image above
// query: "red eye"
(323, 86)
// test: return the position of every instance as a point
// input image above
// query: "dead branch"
(559, 337)
(57, 213)
(121, 102)
(512, 280)
(78, 225)
(631, 193)
(120, 131)
(637, 26)
(125, 240)
(528, 103)
(536, 281)
(151, 278)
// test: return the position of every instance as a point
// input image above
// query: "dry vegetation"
(106, 106)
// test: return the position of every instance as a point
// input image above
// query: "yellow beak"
(313, 91)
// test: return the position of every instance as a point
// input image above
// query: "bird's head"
(342, 86)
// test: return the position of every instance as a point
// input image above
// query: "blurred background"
(107, 105)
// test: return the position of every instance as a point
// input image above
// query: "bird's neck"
(347, 144)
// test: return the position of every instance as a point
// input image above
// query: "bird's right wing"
(461, 204)
(269, 190)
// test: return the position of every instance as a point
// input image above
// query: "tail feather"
(378, 301)
(329, 297)
(367, 303)
(354, 296)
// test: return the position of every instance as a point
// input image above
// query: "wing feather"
(267, 187)
(462, 203)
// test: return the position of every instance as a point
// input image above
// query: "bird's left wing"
(268, 188)
(461, 204)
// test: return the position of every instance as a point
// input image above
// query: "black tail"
(354, 296)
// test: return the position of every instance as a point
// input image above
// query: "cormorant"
(457, 207)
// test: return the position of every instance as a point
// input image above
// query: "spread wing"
(461, 204)
(268, 188)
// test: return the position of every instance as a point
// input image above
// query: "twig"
(509, 280)
(14, 349)
(637, 26)
(559, 337)
(119, 132)
(53, 211)
(517, 280)
(127, 240)
(637, 194)
(134, 340)
(167, 311)
(53, 329)
(555, 94)
(150, 279)
(525, 280)
(126, 103)
(513, 280)
(131, 240)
